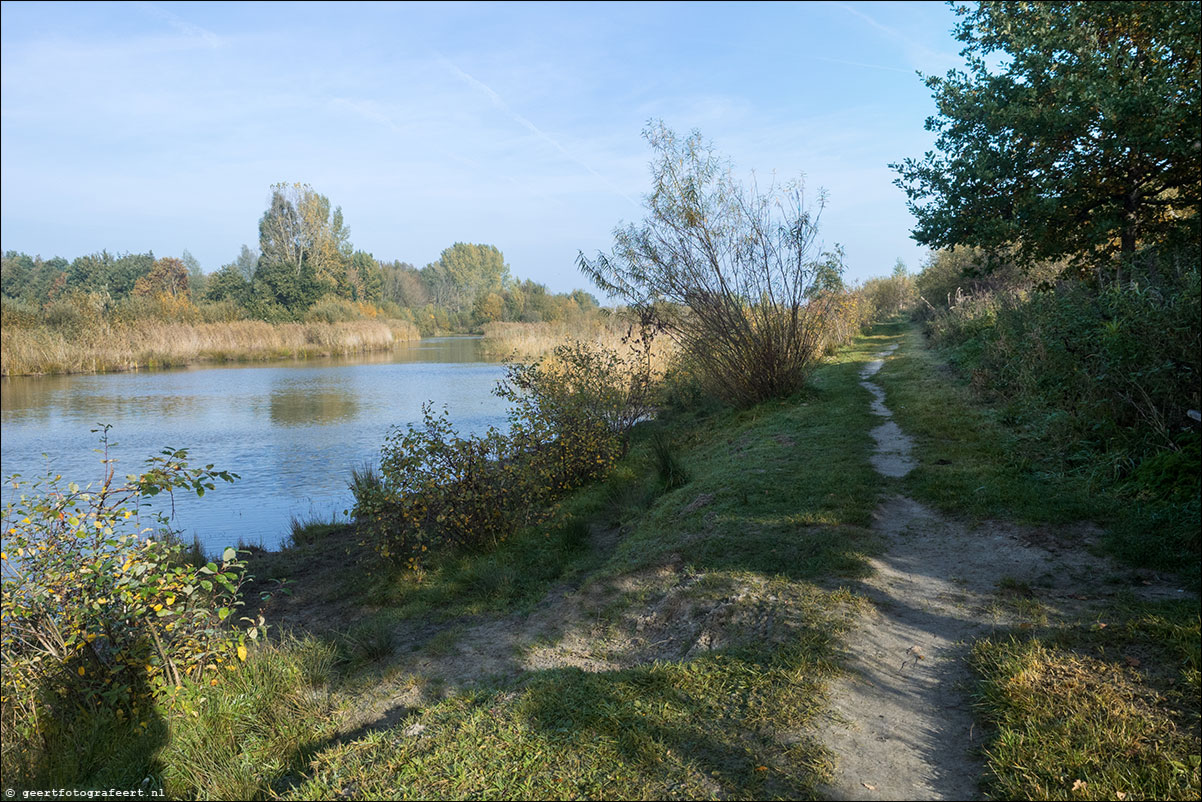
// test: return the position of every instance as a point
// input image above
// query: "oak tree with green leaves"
(1073, 132)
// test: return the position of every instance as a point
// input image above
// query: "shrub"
(332, 309)
(19, 314)
(223, 311)
(99, 610)
(887, 297)
(728, 270)
(79, 314)
(567, 426)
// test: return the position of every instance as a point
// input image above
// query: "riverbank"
(105, 347)
(700, 626)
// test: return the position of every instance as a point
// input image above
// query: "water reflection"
(292, 430)
(298, 406)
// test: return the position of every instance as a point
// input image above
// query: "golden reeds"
(529, 341)
(43, 349)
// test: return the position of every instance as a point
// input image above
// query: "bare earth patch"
(664, 614)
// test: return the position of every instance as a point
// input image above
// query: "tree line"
(304, 268)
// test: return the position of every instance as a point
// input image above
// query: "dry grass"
(43, 349)
(1067, 725)
(528, 341)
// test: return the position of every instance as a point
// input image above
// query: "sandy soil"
(901, 722)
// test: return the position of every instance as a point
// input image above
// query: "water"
(292, 431)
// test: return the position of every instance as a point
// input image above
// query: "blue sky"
(161, 126)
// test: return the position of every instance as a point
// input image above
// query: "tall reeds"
(530, 341)
(108, 347)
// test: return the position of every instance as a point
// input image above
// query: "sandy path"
(902, 726)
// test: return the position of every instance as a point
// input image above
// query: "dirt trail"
(901, 724)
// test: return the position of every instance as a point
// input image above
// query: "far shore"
(42, 350)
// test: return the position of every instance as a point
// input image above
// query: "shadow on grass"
(85, 741)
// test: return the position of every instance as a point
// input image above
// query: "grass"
(305, 532)
(784, 487)
(712, 726)
(43, 349)
(733, 717)
(1099, 709)
(971, 464)
(967, 462)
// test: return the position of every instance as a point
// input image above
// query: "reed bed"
(530, 341)
(43, 349)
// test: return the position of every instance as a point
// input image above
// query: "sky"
(162, 126)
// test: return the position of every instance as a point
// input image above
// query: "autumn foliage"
(101, 609)
(568, 422)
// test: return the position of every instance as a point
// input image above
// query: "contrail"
(183, 26)
(500, 103)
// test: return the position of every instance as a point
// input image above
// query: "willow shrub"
(99, 610)
(729, 270)
(568, 422)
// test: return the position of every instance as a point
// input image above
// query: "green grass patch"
(782, 488)
(729, 724)
(1102, 709)
(971, 462)
(966, 458)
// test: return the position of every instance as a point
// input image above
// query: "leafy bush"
(78, 314)
(332, 309)
(99, 608)
(18, 313)
(223, 311)
(567, 426)
(1098, 380)
(886, 297)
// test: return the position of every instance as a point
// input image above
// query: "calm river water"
(292, 431)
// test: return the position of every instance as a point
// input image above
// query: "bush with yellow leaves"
(100, 605)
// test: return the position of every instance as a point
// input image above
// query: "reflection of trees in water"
(30, 396)
(90, 398)
(89, 406)
(299, 406)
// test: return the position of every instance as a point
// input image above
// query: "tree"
(361, 280)
(463, 273)
(247, 261)
(103, 272)
(227, 284)
(1082, 144)
(726, 269)
(402, 284)
(168, 276)
(196, 274)
(304, 246)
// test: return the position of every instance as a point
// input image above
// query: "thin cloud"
(189, 29)
(500, 103)
(917, 51)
